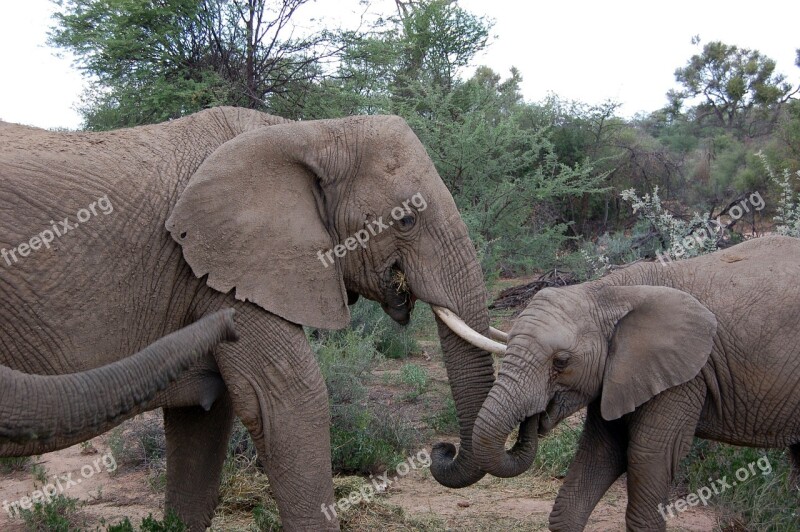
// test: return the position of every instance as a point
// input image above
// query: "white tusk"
(465, 332)
(497, 334)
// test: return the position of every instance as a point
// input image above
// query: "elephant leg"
(600, 460)
(660, 435)
(279, 394)
(197, 444)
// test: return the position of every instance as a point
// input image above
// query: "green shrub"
(57, 515)
(416, 377)
(557, 450)
(787, 218)
(446, 420)
(170, 523)
(364, 437)
(392, 340)
(761, 502)
(672, 231)
(11, 464)
(266, 519)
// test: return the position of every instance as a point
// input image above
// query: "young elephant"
(706, 347)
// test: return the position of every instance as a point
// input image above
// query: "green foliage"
(764, 501)
(39, 472)
(787, 217)
(500, 167)
(57, 515)
(738, 88)
(446, 419)
(365, 437)
(556, 450)
(679, 238)
(170, 523)
(10, 464)
(416, 377)
(392, 339)
(266, 519)
(150, 61)
(140, 443)
(439, 38)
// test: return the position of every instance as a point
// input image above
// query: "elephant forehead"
(543, 332)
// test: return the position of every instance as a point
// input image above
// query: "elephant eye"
(406, 222)
(560, 362)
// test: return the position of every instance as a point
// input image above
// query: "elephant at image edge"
(706, 347)
(250, 200)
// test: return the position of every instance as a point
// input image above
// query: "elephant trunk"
(40, 407)
(499, 416)
(470, 370)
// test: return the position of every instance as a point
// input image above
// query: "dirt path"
(523, 503)
(86, 473)
(492, 504)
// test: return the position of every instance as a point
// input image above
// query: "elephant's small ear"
(252, 218)
(662, 338)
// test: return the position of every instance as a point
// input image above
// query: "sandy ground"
(490, 505)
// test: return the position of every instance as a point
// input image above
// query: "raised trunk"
(40, 407)
(501, 413)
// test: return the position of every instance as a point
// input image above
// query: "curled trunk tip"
(452, 469)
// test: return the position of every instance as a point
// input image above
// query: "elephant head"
(572, 346)
(301, 218)
(35, 408)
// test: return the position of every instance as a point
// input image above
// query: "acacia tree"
(154, 60)
(738, 89)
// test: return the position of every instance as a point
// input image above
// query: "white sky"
(583, 50)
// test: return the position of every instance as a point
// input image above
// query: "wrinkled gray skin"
(37, 408)
(659, 353)
(248, 202)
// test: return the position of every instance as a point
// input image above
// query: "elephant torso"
(113, 281)
(753, 370)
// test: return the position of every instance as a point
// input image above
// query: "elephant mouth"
(398, 300)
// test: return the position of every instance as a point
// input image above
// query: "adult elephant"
(286, 222)
(659, 353)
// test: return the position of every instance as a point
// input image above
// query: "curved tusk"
(497, 334)
(465, 332)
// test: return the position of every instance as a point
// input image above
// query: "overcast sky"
(590, 51)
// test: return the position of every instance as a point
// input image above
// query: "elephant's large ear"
(253, 218)
(662, 338)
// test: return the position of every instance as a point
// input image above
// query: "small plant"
(57, 515)
(788, 211)
(446, 420)
(14, 463)
(556, 450)
(391, 339)
(266, 519)
(39, 473)
(766, 500)
(170, 523)
(416, 377)
(88, 448)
